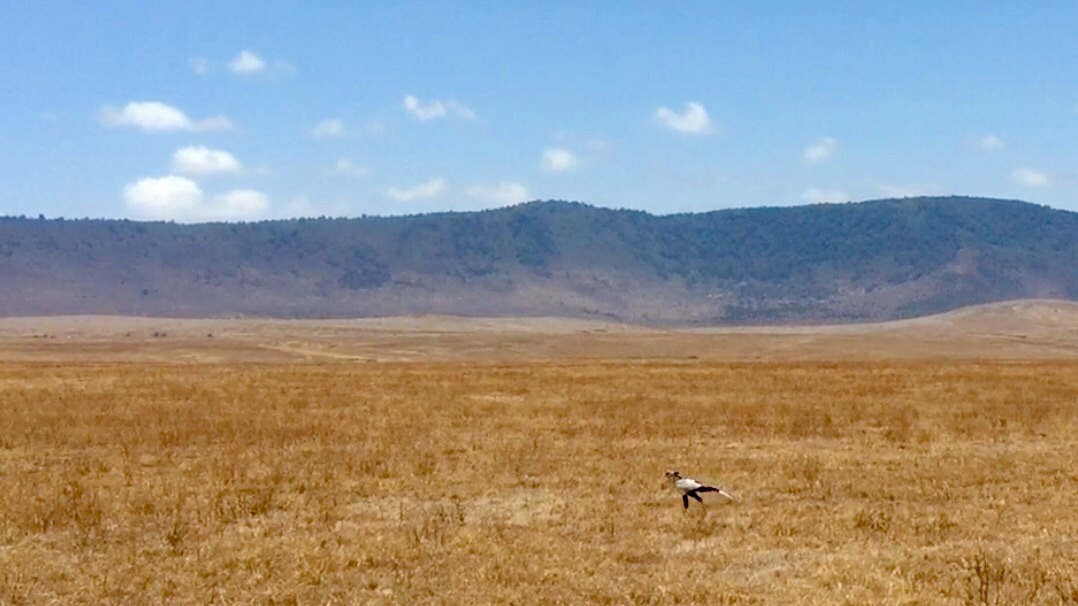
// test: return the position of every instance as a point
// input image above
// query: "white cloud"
(147, 115)
(163, 198)
(822, 150)
(818, 195)
(247, 63)
(328, 128)
(204, 161)
(345, 167)
(502, 193)
(991, 143)
(558, 159)
(1028, 177)
(180, 199)
(693, 120)
(154, 116)
(430, 111)
(429, 189)
(435, 109)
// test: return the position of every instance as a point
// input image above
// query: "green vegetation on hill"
(873, 260)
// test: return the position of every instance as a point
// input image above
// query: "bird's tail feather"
(721, 491)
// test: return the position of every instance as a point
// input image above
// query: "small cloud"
(154, 116)
(818, 195)
(147, 115)
(991, 143)
(502, 193)
(204, 161)
(822, 150)
(179, 198)
(430, 111)
(429, 189)
(247, 63)
(164, 197)
(435, 109)
(1028, 177)
(693, 120)
(557, 159)
(328, 128)
(345, 167)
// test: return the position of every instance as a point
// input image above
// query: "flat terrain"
(1020, 330)
(439, 460)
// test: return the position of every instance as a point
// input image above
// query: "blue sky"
(198, 111)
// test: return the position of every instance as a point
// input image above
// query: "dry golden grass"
(338, 482)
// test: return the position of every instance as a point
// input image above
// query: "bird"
(689, 487)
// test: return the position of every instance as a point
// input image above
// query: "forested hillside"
(824, 263)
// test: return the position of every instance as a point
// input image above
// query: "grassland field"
(324, 468)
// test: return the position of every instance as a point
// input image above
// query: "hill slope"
(874, 260)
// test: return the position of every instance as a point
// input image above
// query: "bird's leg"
(685, 501)
(696, 496)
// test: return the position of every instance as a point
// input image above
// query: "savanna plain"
(445, 462)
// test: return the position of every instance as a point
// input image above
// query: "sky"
(238, 111)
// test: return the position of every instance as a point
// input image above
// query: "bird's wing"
(687, 484)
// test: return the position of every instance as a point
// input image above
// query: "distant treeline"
(823, 263)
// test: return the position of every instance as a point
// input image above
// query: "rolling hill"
(869, 261)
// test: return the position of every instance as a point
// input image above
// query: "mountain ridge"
(833, 263)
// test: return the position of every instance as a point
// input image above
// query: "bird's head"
(672, 474)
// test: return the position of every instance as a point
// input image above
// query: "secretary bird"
(689, 487)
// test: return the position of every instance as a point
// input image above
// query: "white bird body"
(689, 487)
(685, 485)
